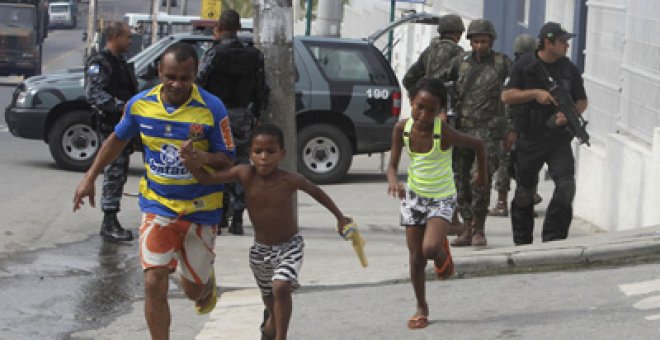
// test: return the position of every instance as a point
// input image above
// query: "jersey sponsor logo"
(170, 164)
(225, 130)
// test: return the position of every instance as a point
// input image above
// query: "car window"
(59, 8)
(348, 63)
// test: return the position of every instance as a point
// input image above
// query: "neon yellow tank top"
(430, 174)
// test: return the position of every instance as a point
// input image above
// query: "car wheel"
(73, 141)
(324, 153)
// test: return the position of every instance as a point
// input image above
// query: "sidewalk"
(331, 263)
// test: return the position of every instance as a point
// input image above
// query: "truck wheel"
(324, 153)
(73, 142)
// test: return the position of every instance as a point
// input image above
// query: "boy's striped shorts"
(277, 262)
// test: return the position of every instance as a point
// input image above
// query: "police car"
(347, 101)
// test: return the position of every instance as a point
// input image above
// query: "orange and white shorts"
(164, 241)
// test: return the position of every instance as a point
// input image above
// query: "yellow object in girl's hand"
(351, 232)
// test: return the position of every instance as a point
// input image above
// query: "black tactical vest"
(122, 83)
(530, 118)
(233, 76)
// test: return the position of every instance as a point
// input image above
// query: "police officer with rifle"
(551, 90)
(109, 83)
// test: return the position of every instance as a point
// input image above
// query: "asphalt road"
(609, 303)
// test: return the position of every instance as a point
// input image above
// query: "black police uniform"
(539, 142)
(109, 83)
(234, 72)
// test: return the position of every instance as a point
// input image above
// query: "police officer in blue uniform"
(234, 72)
(109, 83)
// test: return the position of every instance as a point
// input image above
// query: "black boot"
(112, 231)
(223, 221)
(236, 226)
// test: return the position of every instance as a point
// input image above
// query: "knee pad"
(565, 191)
(524, 197)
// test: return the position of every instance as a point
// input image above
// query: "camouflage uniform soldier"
(110, 82)
(437, 56)
(479, 75)
(524, 43)
(234, 72)
(433, 61)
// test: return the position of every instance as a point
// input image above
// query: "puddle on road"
(50, 294)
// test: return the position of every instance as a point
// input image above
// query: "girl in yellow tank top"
(429, 198)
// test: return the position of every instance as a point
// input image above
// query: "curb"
(567, 257)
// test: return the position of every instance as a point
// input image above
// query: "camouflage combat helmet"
(481, 26)
(524, 43)
(450, 23)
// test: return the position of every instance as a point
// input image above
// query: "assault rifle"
(576, 124)
(565, 104)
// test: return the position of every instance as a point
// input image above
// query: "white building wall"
(561, 11)
(618, 178)
(468, 9)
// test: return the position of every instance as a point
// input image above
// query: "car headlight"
(21, 98)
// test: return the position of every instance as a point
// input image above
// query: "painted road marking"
(651, 303)
(639, 288)
(4, 128)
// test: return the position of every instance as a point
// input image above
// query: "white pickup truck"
(62, 13)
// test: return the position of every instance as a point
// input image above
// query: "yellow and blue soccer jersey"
(168, 188)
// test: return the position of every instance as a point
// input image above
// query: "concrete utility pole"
(91, 23)
(154, 21)
(184, 7)
(273, 33)
(329, 15)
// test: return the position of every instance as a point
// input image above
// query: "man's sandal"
(447, 269)
(418, 322)
(201, 310)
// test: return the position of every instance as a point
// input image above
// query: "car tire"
(73, 142)
(324, 153)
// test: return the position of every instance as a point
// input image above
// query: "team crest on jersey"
(196, 132)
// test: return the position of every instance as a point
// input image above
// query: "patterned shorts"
(416, 210)
(277, 262)
(164, 241)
